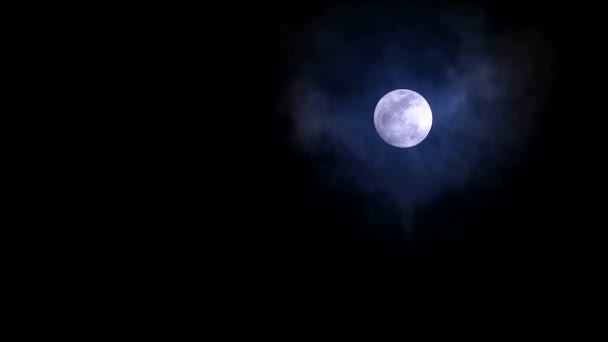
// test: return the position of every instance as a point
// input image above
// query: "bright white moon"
(403, 118)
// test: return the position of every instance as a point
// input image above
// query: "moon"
(403, 118)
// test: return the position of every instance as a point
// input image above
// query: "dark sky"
(494, 197)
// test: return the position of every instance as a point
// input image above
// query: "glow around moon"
(403, 118)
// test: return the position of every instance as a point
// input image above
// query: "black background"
(279, 230)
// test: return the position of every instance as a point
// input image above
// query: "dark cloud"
(485, 87)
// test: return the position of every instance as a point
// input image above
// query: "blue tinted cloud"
(485, 87)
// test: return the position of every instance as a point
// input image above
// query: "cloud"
(485, 87)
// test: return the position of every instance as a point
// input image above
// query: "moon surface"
(403, 118)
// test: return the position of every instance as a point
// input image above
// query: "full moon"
(403, 118)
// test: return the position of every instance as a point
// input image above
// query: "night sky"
(317, 203)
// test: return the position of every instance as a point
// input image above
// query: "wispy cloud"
(485, 88)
